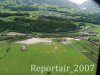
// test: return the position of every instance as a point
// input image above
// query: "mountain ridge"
(62, 3)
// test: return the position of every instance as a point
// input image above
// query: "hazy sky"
(78, 1)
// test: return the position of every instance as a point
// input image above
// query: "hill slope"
(49, 2)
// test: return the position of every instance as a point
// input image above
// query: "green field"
(95, 37)
(92, 52)
(94, 27)
(17, 62)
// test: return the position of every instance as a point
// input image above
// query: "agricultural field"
(96, 28)
(17, 62)
(93, 27)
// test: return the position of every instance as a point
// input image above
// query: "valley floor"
(18, 62)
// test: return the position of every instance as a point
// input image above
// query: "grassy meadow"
(17, 62)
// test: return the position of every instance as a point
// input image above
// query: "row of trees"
(22, 8)
(2, 14)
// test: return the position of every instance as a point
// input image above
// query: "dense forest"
(90, 18)
(42, 24)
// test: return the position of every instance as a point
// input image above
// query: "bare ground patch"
(35, 40)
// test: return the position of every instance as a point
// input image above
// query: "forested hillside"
(42, 24)
(50, 2)
(29, 16)
(20, 16)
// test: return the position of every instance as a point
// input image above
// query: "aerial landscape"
(49, 37)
